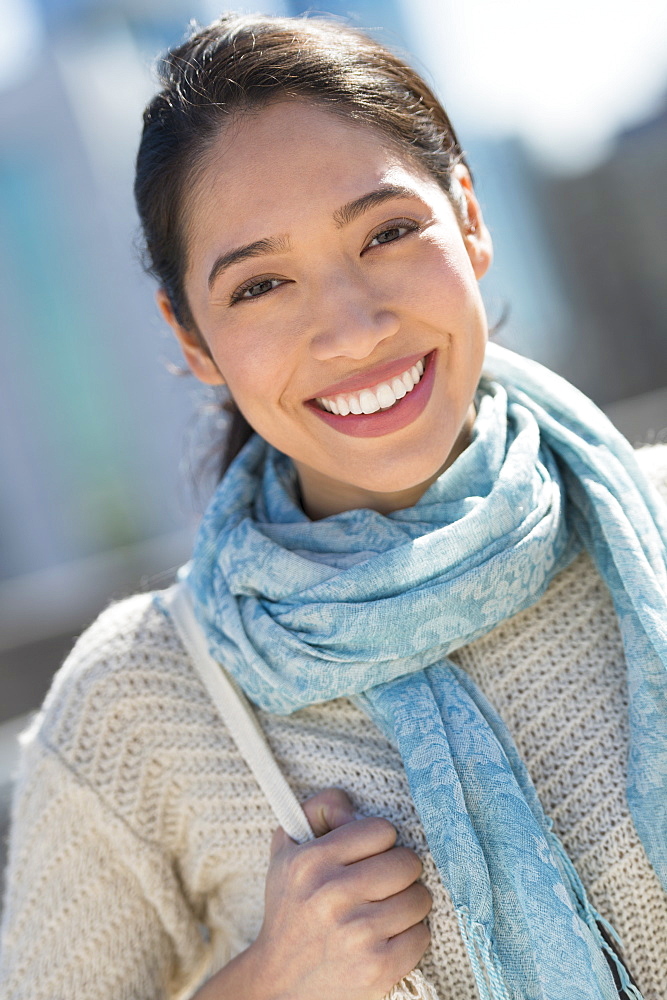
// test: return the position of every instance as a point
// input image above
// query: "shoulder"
(126, 649)
(126, 711)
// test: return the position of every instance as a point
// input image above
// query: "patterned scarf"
(369, 606)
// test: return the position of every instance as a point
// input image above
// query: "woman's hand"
(343, 914)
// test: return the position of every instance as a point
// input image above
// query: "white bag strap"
(237, 714)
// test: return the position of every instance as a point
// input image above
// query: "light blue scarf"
(369, 606)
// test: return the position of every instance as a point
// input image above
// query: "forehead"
(286, 162)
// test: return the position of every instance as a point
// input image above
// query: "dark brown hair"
(240, 64)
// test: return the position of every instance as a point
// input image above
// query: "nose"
(350, 320)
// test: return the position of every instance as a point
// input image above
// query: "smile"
(377, 397)
(380, 409)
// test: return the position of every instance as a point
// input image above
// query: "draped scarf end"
(483, 959)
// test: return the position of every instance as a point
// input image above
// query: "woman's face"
(323, 264)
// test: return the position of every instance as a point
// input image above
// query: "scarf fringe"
(413, 987)
(486, 965)
(595, 922)
(483, 959)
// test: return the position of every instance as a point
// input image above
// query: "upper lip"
(365, 380)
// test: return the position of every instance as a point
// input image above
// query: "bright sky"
(564, 75)
(20, 40)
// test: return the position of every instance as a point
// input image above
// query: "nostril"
(353, 334)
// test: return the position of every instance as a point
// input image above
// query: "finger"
(404, 951)
(384, 874)
(328, 810)
(396, 914)
(347, 844)
(354, 841)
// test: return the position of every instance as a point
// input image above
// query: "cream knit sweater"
(139, 845)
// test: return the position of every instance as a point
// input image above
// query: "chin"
(401, 476)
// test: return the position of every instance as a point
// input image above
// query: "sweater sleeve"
(95, 901)
(91, 909)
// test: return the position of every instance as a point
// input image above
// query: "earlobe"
(480, 249)
(196, 354)
(476, 236)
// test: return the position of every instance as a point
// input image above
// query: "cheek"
(442, 282)
(255, 368)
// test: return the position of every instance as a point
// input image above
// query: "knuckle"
(374, 975)
(409, 862)
(382, 829)
(361, 937)
(407, 949)
(300, 868)
(424, 897)
(422, 938)
(417, 861)
(331, 902)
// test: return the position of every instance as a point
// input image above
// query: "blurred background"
(562, 108)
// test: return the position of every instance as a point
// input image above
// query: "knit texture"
(140, 840)
(369, 606)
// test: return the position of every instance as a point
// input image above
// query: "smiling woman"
(436, 570)
(373, 275)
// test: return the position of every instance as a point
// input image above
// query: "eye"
(393, 232)
(254, 289)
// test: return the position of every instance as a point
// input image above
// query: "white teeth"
(385, 396)
(380, 397)
(368, 402)
(398, 388)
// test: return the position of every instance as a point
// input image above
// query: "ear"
(475, 234)
(196, 354)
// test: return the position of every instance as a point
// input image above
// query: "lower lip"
(402, 413)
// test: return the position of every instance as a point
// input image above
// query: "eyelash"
(237, 296)
(408, 224)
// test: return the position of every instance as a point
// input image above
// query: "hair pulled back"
(240, 64)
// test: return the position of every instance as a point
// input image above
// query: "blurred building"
(95, 431)
(608, 228)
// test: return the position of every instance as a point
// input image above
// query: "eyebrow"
(348, 213)
(268, 245)
(343, 216)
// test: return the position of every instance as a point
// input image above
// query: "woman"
(435, 569)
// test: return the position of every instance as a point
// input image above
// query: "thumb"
(328, 810)
(325, 811)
